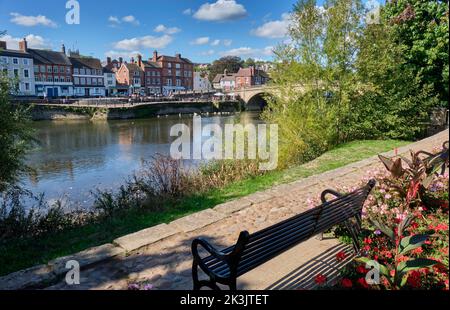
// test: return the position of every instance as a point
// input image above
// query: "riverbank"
(19, 254)
(73, 112)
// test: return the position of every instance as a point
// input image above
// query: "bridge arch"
(257, 101)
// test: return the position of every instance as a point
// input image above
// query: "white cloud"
(200, 41)
(222, 10)
(125, 55)
(131, 20)
(143, 42)
(245, 52)
(187, 12)
(274, 29)
(167, 30)
(215, 42)
(208, 53)
(31, 21)
(34, 41)
(227, 42)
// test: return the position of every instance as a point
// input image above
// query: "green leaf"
(404, 267)
(384, 228)
(405, 224)
(412, 242)
(383, 269)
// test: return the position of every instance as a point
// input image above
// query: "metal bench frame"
(253, 250)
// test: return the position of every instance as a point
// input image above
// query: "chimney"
(23, 45)
(252, 71)
(120, 61)
(132, 60)
(139, 60)
(3, 45)
(155, 55)
(178, 56)
(63, 49)
(108, 60)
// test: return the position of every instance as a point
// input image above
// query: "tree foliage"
(15, 136)
(229, 63)
(340, 79)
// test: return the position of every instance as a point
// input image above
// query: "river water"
(74, 158)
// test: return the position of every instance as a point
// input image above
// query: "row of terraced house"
(49, 74)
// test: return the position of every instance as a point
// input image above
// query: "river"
(74, 158)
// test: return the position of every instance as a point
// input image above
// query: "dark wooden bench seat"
(253, 250)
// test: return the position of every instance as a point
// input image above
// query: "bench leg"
(319, 237)
(195, 281)
(232, 285)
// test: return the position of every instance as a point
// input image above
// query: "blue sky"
(202, 30)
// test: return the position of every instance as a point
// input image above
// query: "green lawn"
(26, 253)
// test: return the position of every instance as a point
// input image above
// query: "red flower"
(367, 240)
(320, 279)
(440, 227)
(412, 191)
(361, 269)
(341, 256)
(417, 251)
(414, 278)
(362, 282)
(347, 283)
(392, 272)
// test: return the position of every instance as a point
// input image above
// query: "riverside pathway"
(161, 256)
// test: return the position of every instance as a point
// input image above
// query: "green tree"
(229, 63)
(422, 26)
(16, 135)
(250, 62)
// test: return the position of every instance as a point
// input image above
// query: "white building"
(110, 82)
(201, 83)
(88, 78)
(19, 67)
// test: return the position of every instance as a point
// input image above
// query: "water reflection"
(74, 158)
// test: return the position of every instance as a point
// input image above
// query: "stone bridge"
(253, 97)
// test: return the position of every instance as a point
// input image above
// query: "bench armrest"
(209, 248)
(329, 192)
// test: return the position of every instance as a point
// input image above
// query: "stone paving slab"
(86, 258)
(166, 263)
(147, 236)
(197, 220)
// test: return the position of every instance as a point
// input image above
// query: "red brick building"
(249, 77)
(152, 73)
(177, 73)
(132, 76)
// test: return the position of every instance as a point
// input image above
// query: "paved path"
(167, 263)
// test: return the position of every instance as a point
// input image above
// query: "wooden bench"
(439, 158)
(253, 250)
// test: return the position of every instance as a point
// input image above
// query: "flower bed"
(405, 233)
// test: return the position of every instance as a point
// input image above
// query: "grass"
(22, 254)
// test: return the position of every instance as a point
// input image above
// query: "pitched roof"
(151, 64)
(247, 72)
(174, 59)
(228, 78)
(219, 77)
(14, 53)
(132, 67)
(49, 57)
(86, 62)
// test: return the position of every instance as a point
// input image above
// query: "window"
(62, 70)
(15, 61)
(89, 81)
(5, 71)
(4, 60)
(178, 73)
(88, 72)
(76, 80)
(49, 79)
(169, 65)
(169, 82)
(178, 82)
(94, 81)
(26, 73)
(16, 72)
(76, 71)
(42, 69)
(56, 79)
(68, 70)
(83, 81)
(49, 69)
(178, 66)
(82, 72)
(25, 62)
(55, 69)
(68, 79)
(36, 69)
(100, 82)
